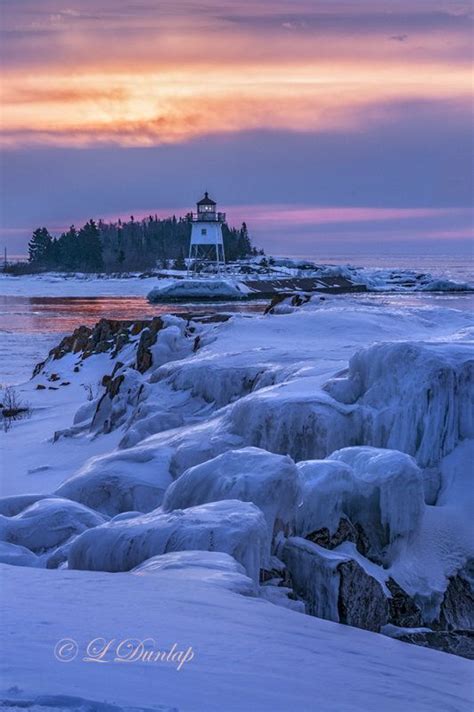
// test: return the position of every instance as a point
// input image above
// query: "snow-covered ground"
(51, 284)
(248, 654)
(221, 448)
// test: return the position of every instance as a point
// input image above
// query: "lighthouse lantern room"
(206, 250)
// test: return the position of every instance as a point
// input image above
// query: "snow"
(58, 284)
(195, 461)
(81, 284)
(231, 526)
(251, 475)
(248, 654)
(213, 567)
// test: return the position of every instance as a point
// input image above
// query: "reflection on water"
(63, 314)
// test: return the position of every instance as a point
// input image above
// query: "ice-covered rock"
(251, 475)
(379, 490)
(120, 482)
(289, 419)
(326, 486)
(216, 381)
(16, 555)
(47, 524)
(338, 585)
(212, 567)
(237, 528)
(183, 289)
(388, 499)
(413, 397)
(9, 506)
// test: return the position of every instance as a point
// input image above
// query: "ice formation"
(120, 483)
(47, 524)
(201, 429)
(237, 528)
(251, 475)
(413, 397)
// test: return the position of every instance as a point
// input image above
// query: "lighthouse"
(207, 246)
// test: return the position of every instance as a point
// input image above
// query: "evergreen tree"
(39, 247)
(90, 248)
(179, 263)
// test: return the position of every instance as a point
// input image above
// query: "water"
(61, 315)
(31, 325)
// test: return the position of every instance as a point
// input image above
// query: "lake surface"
(62, 315)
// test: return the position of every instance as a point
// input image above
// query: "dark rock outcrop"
(346, 531)
(403, 611)
(361, 602)
(457, 607)
(456, 642)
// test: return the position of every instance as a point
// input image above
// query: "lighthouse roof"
(207, 200)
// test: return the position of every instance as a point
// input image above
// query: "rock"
(40, 387)
(456, 642)
(362, 602)
(346, 531)
(144, 357)
(147, 338)
(457, 607)
(403, 611)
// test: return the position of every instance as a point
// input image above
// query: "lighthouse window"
(203, 231)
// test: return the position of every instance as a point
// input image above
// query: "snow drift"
(215, 568)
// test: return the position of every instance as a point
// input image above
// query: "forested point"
(127, 246)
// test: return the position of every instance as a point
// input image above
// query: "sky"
(329, 126)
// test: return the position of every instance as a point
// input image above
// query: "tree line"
(127, 246)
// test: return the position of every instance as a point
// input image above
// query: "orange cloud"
(167, 105)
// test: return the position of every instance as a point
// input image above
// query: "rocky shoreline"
(326, 563)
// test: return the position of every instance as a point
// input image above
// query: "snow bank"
(249, 654)
(184, 289)
(251, 475)
(15, 699)
(234, 527)
(47, 524)
(210, 567)
(120, 482)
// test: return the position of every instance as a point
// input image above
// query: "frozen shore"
(315, 458)
(82, 284)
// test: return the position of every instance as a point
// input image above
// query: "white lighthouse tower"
(207, 246)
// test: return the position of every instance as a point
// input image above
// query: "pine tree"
(179, 262)
(39, 247)
(90, 247)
